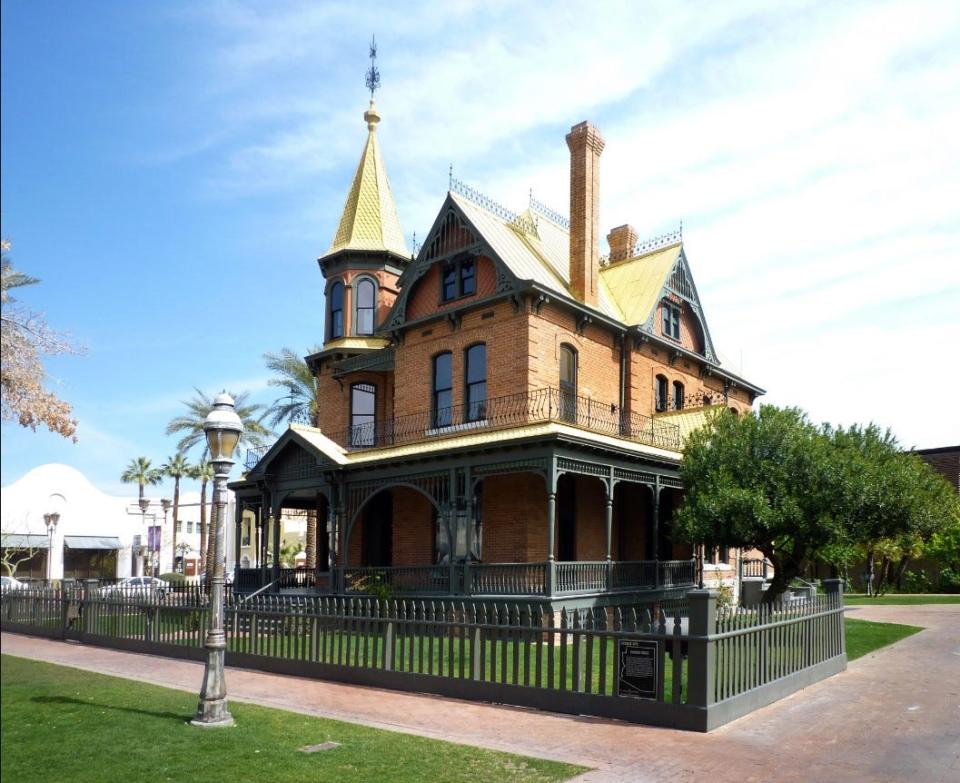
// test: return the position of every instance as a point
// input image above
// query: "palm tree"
(191, 425)
(176, 468)
(203, 472)
(300, 403)
(140, 471)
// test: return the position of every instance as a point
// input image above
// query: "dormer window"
(458, 278)
(671, 320)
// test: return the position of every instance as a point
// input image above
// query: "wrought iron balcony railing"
(512, 410)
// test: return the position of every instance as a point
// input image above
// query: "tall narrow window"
(443, 390)
(661, 390)
(336, 310)
(568, 383)
(366, 294)
(448, 289)
(677, 396)
(476, 391)
(363, 410)
(671, 320)
(468, 281)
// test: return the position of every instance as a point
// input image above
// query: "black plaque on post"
(637, 661)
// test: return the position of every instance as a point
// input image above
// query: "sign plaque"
(637, 661)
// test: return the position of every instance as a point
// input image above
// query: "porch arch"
(389, 487)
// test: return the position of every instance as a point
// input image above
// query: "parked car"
(136, 587)
(9, 583)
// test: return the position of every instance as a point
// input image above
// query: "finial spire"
(373, 74)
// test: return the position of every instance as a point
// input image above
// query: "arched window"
(661, 389)
(568, 383)
(442, 403)
(363, 415)
(336, 310)
(677, 396)
(476, 382)
(365, 295)
(734, 411)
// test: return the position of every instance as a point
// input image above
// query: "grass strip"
(864, 636)
(66, 724)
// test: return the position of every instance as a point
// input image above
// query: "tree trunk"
(882, 576)
(901, 568)
(311, 547)
(785, 568)
(176, 511)
(203, 527)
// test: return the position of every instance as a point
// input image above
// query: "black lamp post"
(223, 429)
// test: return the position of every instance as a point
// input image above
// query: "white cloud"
(810, 149)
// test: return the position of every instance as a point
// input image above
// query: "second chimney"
(585, 144)
(622, 241)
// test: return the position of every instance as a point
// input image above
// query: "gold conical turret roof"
(369, 220)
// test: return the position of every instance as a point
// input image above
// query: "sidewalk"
(893, 716)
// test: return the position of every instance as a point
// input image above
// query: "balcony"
(512, 410)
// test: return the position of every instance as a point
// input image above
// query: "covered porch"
(533, 519)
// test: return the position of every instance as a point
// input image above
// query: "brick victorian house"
(501, 414)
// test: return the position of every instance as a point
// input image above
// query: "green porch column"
(275, 570)
(551, 537)
(656, 533)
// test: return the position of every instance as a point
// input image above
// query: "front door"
(377, 537)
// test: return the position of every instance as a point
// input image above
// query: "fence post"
(834, 588)
(701, 657)
(389, 636)
(89, 609)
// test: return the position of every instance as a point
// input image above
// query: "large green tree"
(300, 403)
(176, 467)
(774, 481)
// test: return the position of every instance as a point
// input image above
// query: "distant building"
(96, 535)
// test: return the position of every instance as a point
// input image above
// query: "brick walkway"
(893, 716)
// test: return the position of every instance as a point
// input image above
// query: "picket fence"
(684, 663)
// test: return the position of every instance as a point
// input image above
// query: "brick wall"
(598, 358)
(514, 518)
(504, 332)
(412, 528)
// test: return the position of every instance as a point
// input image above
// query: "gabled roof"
(307, 438)
(369, 220)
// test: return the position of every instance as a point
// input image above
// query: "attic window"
(458, 278)
(671, 320)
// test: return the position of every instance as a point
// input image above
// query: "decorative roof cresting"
(369, 220)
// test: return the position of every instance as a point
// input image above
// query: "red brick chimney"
(585, 144)
(622, 240)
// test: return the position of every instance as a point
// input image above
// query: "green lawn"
(78, 726)
(899, 599)
(864, 637)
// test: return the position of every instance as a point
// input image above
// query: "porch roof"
(327, 450)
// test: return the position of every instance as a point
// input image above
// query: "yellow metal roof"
(628, 290)
(350, 343)
(690, 420)
(369, 220)
(635, 284)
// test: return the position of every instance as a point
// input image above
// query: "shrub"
(173, 578)
(916, 582)
(949, 581)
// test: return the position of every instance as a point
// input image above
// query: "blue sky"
(171, 171)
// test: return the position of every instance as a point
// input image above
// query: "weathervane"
(373, 75)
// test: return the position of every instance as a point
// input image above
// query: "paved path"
(892, 716)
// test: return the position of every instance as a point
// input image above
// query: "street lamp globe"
(222, 428)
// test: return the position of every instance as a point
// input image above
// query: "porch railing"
(398, 579)
(507, 579)
(511, 410)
